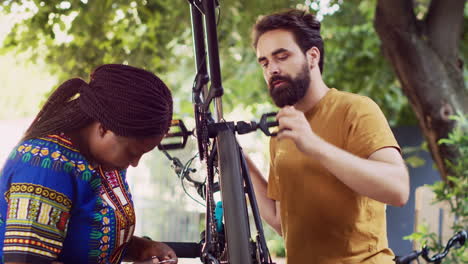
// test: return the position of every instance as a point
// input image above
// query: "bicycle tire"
(236, 226)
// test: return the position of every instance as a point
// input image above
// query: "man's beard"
(291, 90)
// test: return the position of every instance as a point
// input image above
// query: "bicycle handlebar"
(408, 258)
(458, 240)
(178, 130)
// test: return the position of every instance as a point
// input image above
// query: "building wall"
(400, 220)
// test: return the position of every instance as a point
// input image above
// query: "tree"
(423, 48)
(75, 35)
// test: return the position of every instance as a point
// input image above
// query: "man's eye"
(264, 65)
(283, 57)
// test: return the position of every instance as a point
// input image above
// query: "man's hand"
(293, 125)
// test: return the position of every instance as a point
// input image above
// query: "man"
(335, 162)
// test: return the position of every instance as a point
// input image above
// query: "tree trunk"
(424, 55)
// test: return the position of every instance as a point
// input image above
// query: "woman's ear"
(313, 57)
(101, 130)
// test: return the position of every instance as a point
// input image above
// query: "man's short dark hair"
(304, 26)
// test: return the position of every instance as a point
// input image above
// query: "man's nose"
(273, 69)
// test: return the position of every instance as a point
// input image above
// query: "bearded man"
(334, 164)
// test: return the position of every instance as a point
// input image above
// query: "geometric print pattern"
(116, 199)
(44, 153)
(37, 220)
(41, 205)
(37, 216)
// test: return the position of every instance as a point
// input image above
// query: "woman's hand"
(142, 250)
(157, 261)
(159, 252)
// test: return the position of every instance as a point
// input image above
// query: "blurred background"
(402, 54)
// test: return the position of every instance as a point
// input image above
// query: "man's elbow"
(402, 194)
(401, 199)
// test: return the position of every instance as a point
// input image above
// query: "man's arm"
(269, 208)
(382, 176)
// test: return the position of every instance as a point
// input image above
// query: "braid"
(61, 112)
(129, 101)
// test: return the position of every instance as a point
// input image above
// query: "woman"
(66, 199)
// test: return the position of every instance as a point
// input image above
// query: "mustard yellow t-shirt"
(324, 221)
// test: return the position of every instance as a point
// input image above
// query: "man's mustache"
(278, 78)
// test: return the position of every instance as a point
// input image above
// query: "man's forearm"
(382, 177)
(267, 206)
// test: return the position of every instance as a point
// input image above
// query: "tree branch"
(444, 22)
(395, 14)
(434, 88)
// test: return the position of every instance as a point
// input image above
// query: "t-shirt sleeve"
(39, 204)
(368, 129)
(273, 181)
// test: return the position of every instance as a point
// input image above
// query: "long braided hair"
(129, 101)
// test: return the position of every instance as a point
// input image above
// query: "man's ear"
(313, 57)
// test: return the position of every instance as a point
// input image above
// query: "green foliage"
(353, 60)
(276, 247)
(275, 242)
(454, 191)
(74, 36)
(413, 159)
(79, 35)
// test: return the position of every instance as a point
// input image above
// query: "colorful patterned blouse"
(57, 207)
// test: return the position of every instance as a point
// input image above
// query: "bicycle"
(229, 241)
(458, 240)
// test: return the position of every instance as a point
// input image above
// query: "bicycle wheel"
(236, 227)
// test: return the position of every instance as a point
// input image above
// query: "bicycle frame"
(234, 181)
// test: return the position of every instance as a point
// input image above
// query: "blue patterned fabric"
(58, 207)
